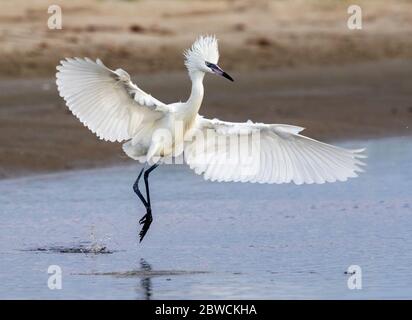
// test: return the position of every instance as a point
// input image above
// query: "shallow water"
(210, 240)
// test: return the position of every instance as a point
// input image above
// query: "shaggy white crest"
(203, 49)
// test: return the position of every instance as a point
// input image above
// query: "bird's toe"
(147, 217)
(146, 221)
(144, 230)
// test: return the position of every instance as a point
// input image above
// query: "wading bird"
(115, 109)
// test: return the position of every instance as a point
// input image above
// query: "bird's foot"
(146, 221)
(147, 216)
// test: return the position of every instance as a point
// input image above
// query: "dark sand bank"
(38, 133)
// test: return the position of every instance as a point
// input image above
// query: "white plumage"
(115, 109)
(283, 156)
(105, 101)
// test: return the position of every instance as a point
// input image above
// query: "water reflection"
(146, 282)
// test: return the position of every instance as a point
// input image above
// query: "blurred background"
(293, 61)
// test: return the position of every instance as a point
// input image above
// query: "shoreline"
(28, 174)
(335, 103)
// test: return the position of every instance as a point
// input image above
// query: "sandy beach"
(150, 36)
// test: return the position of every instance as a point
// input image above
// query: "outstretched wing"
(106, 101)
(266, 153)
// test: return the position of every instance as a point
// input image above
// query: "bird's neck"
(196, 96)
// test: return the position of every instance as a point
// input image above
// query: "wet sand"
(39, 134)
(294, 62)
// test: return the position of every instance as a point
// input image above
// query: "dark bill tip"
(224, 74)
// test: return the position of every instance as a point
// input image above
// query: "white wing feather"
(106, 101)
(281, 155)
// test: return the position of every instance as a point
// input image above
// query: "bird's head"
(203, 56)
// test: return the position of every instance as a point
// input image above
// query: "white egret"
(115, 109)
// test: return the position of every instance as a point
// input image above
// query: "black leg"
(137, 191)
(146, 181)
(147, 219)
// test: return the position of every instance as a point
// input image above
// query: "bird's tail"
(134, 151)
